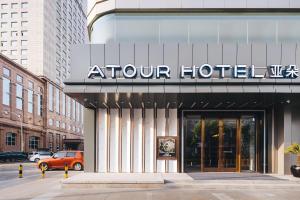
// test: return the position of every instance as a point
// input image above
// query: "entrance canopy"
(185, 101)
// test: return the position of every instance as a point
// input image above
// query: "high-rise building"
(38, 34)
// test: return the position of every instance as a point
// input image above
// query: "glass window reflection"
(204, 28)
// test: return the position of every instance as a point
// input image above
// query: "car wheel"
(36, 160)
(45, 166)
(77, 166)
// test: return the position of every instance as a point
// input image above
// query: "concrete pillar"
(126, 140)
(284, 134)
(137, 141)
(161, 131)
(114, 141)
(102, 135)
(149, 140)
(89, 140)
(173, 126)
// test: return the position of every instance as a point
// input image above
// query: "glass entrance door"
(220, 145)
(221, 142)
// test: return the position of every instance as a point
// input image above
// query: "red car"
(74, 160)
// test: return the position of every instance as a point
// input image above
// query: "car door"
(59, 159)
(70, 158)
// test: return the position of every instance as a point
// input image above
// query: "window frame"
(10, 139)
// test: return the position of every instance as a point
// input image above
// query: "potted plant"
(295, 149)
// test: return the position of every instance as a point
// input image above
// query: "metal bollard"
(20, 171)
(66, 171)
(43, 171)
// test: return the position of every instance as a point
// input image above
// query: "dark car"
(13, 156)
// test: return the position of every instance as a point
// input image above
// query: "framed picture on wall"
(167, 148)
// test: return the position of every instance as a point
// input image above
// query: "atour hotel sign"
(130, 71)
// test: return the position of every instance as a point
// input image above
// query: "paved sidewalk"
(200, 180)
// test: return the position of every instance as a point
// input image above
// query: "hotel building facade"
(189, 86)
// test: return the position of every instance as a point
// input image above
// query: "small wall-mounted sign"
(167, 148)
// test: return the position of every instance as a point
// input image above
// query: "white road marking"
(222, 196)
(47, 196)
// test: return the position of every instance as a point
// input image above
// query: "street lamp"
(21, 131)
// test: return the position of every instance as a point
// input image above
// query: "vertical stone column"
(173, 126)
(114, 141)
(161, 131)
(149, 140)
(126, 143)
(137, 141)
(284, 134)
(102, 135)
(89, 140)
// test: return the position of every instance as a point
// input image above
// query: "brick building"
(34, 111)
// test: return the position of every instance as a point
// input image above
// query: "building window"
(30, 97)
(73, 109)
(50, 97)
(14, 34)
(3, 24)
(14, 43)
(6, 72)
(14, 24)
(24, 42)
(6, 91)
(24, 5)
(50, 122)
(77, 111)
(4, 34)
(13, 52)
(19, 93)
(57, 100)
(40, 103)
(23, 51)
(4, 15)
(24, 14)
(4, 6)
(14, 5)
(51, 141)
(81, 114)
(34, 142)
(10, 139)
(68, 106)
(63, 104)
(63, 125)
(24, 33)
(24, 61)
(14, 15)
(4, 52)
(3, 43)
(57, 124)
(24, 23)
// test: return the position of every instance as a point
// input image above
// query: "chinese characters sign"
(130, 71)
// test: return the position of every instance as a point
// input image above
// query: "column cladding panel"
(102, 140)
(149, 140)
(161, 131)
(137, 141)
(126, 140)
(114, 140)
(173, 126)
(89, 147)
